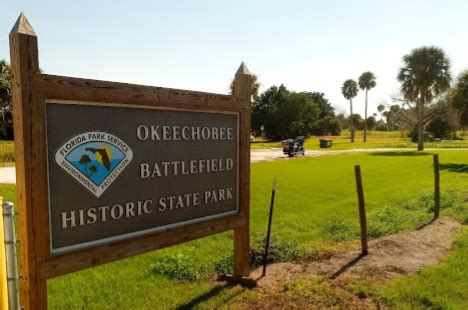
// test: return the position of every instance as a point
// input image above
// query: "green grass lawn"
(7, 153)
(316, 208)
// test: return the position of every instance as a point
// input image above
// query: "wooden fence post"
(29, 160)
(436, 186)
(242, 89)
(362, 210)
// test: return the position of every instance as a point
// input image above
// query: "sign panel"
(116, 172)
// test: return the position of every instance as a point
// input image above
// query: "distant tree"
(285, 114)
(330, 125)
(371, 123)
(442, 126)
(324, 105)
(343, 120)
(350, 90)
(381, 109)
(381, 125)
(357, 120)
(425, 75)
(459, 98)
(366, 82)
(255, 87)
(6, 110)
(393, 117)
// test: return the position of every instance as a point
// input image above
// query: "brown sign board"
(116, 172)
(110, 170)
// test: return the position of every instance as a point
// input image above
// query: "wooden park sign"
(109, 170)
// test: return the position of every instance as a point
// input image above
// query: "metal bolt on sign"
(10, 249)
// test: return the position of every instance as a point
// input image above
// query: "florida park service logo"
(95, 159)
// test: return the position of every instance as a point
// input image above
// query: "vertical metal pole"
(10, 248)
(362, 210)
(267, 245)
(436, 186)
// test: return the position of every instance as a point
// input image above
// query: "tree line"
(430, 104)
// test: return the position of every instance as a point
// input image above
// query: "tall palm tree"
(425, 75)
(255, 87)
(350, 90)
(366, 82)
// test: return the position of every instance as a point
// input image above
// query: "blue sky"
(198, 45)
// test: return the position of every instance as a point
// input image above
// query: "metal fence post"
(10, 249)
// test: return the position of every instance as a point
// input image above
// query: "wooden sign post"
(110, 170)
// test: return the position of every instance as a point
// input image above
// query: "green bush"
(280, 250)
(179, 267)
(338, 229)
(448, 199)
(384, 222)
(225, 264)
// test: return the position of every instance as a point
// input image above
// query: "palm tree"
(85, 160)
(350, 90)
(255, 87)
(425, 75)
(366, 82)
(93, 170)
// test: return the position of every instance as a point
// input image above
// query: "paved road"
(7, 174)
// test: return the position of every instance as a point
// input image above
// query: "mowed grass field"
(375, 139)
(316, 209)
(7, 153)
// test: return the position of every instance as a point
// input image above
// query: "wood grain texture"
(242, 89)
(66, 263)
(28, 137)
(67, 88)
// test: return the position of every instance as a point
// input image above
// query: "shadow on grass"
(454, 167)
(401, 153)
(346, 266)
(215, 291)
(426, 224)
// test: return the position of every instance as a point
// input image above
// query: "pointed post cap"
(243, 70)
(23, 26)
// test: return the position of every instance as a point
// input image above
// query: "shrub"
(179, 267)
(225, 264)
(413, 134)
(328, 125)
(280, 250)
(383, 222)
(441, 127)
(337, 229)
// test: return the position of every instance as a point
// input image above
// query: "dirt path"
(277, 153)
(399, 254)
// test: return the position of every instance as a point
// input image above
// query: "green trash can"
(325, 143)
